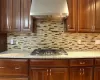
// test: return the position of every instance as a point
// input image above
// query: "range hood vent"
(49, 9)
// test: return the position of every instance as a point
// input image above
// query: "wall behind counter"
(50, 34)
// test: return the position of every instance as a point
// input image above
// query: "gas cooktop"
(49, 52)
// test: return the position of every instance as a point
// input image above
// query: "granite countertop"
(71, 54)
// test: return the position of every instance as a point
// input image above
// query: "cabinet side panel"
(3, 42)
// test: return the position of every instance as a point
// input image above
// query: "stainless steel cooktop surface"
(49, 52)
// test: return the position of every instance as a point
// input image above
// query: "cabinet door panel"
(75, 74)
(3, 42)
(9, 14)
(16, 15)
(3, 15)
(87, 74)
(25, 15)
(58, 74)
(81, 62)
(14, 67)
(85, 15)
(48, 63)
(38, 74)
(97, 73)
(82, 73)
(97, 17)
(97, 62)
(72, 21)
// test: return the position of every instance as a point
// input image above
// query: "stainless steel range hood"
(49, 8)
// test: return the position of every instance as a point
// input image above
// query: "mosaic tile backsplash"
(50, 34)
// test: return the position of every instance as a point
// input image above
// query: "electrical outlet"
(97, 41)
(11, 41)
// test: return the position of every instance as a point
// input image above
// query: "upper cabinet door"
(16, 23)
(25, 15)
(59, 74)
(72, 21)
(3, 15)
(97, 16)
(85, 15)
(9, 14)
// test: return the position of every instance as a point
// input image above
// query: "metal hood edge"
(49, 9)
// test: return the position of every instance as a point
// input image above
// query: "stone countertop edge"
(71, 54)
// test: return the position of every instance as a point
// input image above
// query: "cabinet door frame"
(96, 73)
(16, 23)
(72, 21)
(86, 71)
(9, 15)
(97, 15)
(81, 73)
(90, 22)
(59, 71)
(74, 70)
(34, 71)
(3, 16)
(25, 15)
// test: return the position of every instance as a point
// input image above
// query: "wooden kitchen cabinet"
(49, 70)
(85, 16)
(81, 73)
(81, 16)
(81, 62)
(21, 15)
(97, 62)
(3, 42)
(37, 69)
(9, 23)
(72, 20)
(79, 69)
(97, 69)
(15, 15)
(97, 16)
(3, 21)
(10, 12)
(51, 63)
(49, 74)
(88, 73)
(25, 15)
(39, 74)
(59, 74)
(97, 73)
(75, 74)
(13, 69)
